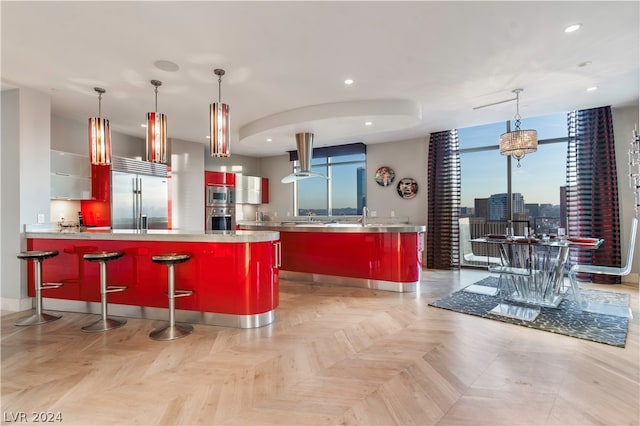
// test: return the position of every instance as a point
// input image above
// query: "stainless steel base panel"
(399, 287)
(182, 316)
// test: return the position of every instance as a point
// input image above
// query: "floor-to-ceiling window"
(537, 185)
(343, 193)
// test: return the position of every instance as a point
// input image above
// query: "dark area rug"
(567, 319)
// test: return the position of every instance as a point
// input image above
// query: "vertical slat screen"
(592, 188)
(443, 210)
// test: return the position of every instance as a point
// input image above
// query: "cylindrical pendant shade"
(219, 126)
(99, 141)
(156, 137)
(518, 143)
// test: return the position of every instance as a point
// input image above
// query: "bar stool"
(38, 256)
(172, 330)
(104, 323)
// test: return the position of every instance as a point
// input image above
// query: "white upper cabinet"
(70, 176)
(248, 189)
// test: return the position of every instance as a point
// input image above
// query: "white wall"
(248, 166)
(409, 160)
(24, 187)
(280, 194)
(624, 121)
(187, 185)
(10, 196)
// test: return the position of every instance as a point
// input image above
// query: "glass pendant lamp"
(156, 132)
(219, 143)
(99, 135)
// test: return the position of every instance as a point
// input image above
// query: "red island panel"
(227, 278)
(388, 256)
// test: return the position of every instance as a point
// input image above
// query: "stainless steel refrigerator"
(139, 195)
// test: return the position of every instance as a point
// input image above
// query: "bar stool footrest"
(182, 293)
(104, 325)
(38, 319)
(45, 286)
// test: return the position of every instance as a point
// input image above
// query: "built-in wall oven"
(220, 219)
(220, 212)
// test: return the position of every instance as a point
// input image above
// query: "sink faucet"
(365, 214)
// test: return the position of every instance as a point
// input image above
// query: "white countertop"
(369, 227)
(48, 232)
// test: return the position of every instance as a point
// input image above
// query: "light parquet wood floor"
(334, 355)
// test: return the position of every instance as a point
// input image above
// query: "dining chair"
(469, 257)
(606, 307)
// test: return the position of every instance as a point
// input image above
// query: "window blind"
(443, 198)
(592, 188)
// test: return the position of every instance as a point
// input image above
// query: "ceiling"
(417, 66)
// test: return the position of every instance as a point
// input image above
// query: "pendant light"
(518, 142)
(156, 132)
(99, 135)
(219, 143)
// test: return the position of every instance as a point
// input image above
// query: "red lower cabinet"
(228, 278)
(388, 256)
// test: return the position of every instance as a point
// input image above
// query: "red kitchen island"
(374, 255)
(233, 274)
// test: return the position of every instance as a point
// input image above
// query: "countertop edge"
(342, 228)
(242, 236)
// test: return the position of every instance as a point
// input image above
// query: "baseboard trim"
(633, 279)
(16, 305)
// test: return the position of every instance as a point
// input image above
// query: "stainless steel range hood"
(304, 144)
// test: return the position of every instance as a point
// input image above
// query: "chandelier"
(518, 143)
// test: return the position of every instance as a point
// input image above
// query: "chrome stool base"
(171, 332)
(38, 256)
(104, 325)
(37, 319)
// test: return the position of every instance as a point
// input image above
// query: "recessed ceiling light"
(348, 81)
(592, 88)
(166, 65)
(368, 123)
(269, 140)
(143, 125)
(208, 137)
(572, 28)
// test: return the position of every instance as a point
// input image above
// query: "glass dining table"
(532, 271)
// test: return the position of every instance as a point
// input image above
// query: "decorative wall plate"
(385, 175)
(407, 188)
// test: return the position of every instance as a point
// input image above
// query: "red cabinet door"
(265, 190)
(219, 178)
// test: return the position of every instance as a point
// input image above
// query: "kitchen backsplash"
(65, 210)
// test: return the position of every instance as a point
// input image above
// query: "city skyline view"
(540, 175)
